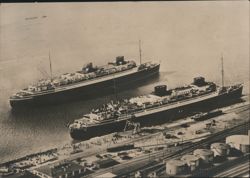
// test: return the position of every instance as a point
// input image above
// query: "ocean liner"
(158, 107)
(85, 83)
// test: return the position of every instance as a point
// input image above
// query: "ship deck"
(158, 108)
(84, 83)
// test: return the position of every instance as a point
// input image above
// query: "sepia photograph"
(132, 89)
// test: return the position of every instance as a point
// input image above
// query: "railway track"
(230, 168)
(137, 163)
(236, 171)
(240, 108)
(238, 168)
(216, 137)
(142, 161)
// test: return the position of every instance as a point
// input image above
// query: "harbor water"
(186, 44)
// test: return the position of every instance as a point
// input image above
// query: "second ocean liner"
(160, 106)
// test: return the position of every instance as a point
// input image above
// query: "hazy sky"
(188, 37)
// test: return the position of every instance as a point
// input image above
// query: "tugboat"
(85, 83)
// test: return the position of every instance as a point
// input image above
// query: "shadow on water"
(164, 74)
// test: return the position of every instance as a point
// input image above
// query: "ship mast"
(222, 71)
(50, 65)
(140, 50)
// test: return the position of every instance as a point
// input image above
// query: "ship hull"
(157, 118)
(89, 91)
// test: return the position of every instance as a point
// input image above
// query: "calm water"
(78, 33)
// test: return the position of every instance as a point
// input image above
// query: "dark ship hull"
(69, 93)
(158, 116)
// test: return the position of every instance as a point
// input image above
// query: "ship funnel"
(120, 60)
(88, 68)
(160, 90)
(199, 81)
